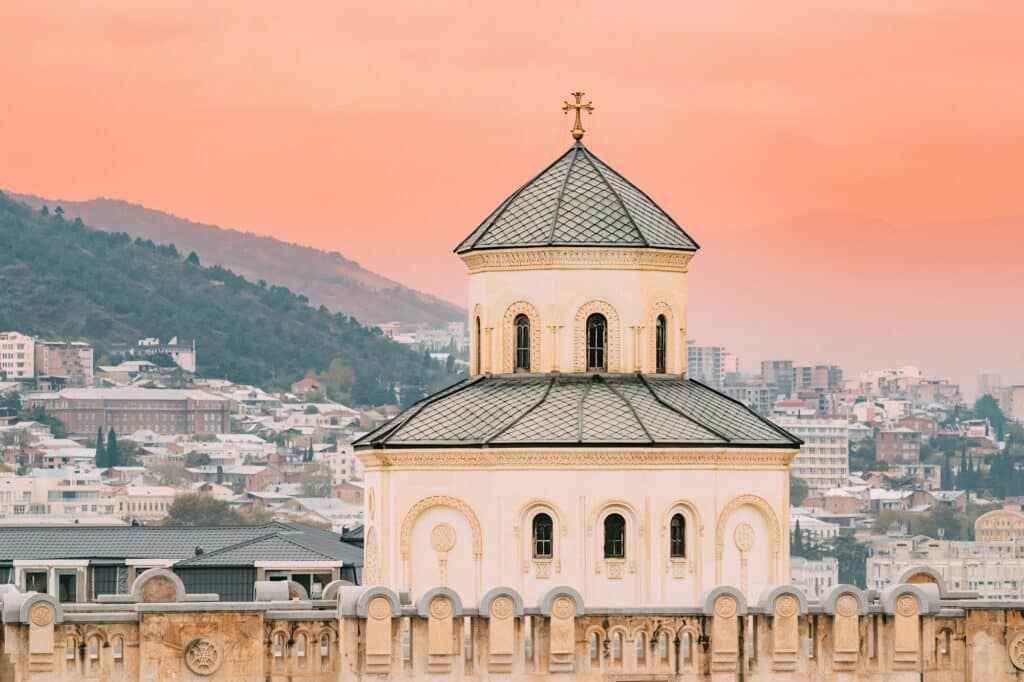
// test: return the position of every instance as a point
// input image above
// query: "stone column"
(725, 635)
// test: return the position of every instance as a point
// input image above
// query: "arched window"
(522, 343)
(597, 343)
(300, 646)
(641, 647)
(659, 345)
(677, 537)
(118, 649)
(614, 537)
(479, 343)
(543, 531)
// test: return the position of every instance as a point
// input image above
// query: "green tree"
(101, 452)
(852, 557)
(797, 545)
(947, 472)
(449, 364)
(986, 407)
(193, 258)
(316, 480)
(198, 509)
(59, 212)
(196, 459)
(113, 452)
(798, 490)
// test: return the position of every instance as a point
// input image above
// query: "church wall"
(502, 500)
(554, 295)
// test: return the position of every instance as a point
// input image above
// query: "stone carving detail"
(41, 615)
(786, 606)
(847, 606)
(771, 520)
(744, 537)
(660, 308)
(1016, 651)
(508, 336)
(440, 501)
(543, 569)
(379, 609)
(442, 537)
(501, 608)
(906, 605)
(614, 569)
(371, 504)
(492, 457)
(440, 608)
(371, 558)
(547, 258)
(579, 335)
(202, 656)
(725, 607)
(562, 607)
(159, 590)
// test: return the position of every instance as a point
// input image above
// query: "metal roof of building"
(275, 547)
(529, 410)
(578, 201)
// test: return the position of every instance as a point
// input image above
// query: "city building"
(183, 354)
(145, 503)
(83, 411)
(70, 362)
(897, 446)
(707, 364)
(751, 391)
(778, 373)
(1011, 402)
(17, 357)
(989, 383)
(814, 577)
(817, 378)
(824, 458)
(65, 493)
(926, 426)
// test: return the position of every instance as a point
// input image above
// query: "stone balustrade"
(158, 631)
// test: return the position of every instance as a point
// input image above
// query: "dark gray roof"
(515, 410)
(578, 201)
(162, 542)
(274, 547)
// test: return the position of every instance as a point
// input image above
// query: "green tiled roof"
(578, 201)
(516, 410)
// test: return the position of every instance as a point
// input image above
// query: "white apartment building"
(813, 528)
(709, 364)
(17, 356)
(824, 458)
(68, 493)
(344, 463)
(814, 577)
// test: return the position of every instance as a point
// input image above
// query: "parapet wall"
(910, 632)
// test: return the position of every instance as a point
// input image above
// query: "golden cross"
(577, 130)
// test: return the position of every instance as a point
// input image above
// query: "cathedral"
(578, 454)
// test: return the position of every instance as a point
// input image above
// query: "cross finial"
(577, 130)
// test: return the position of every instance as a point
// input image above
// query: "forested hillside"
(60, 278)
(326, 278)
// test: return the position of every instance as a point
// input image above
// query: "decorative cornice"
(444, 458)
(576, 258)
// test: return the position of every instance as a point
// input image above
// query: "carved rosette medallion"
(440, 608)
(786, 606)
(202, 656)
(41, 615)
(442, 537)
(725, 607)
(501, 608)
(907, 605)
(379, 609)
(562, 607)
(847, 606)
(1016, 651)
(743, 536)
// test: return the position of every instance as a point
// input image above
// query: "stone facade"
(906, 632)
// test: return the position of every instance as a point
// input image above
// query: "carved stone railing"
(160, 632)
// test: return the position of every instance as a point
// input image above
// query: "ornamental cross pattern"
(577, 129)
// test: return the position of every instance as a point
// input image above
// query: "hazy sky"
(388, 130)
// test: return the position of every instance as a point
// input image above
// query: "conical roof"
(578, 201)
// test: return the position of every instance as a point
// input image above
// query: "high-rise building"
(708, 364)
(17, 356)
(817, 378)
(989, 383)
(778, 373)
(69, 360)
(824, 458)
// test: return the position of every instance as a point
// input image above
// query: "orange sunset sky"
(852, 170)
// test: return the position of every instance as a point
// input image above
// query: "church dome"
(578, 201)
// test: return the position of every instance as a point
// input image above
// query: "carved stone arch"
(371, 558)
(524, 536)
(92, 632)
(508, 336)
(535, 504)
(440, 501)
(770, 518)
(579, 335)
(694, 530)
(476, 351)
(660, 307)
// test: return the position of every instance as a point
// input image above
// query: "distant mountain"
(326, 278)
(62, 279)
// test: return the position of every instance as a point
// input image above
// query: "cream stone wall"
(556, 289)
(463, 519)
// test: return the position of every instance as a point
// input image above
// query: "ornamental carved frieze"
(41, 615)
(907, 605)
(371, 558)
(202, 656)
(761, 506)
(570, 259)
(455, 503)
(579, 335)
(1015, 649)
(722, 459)
(508, 336)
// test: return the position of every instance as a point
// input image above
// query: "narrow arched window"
(543, 530)
(659, 344)
(614, 536)
(522, 343)
(479, 343)
(677, 536)
(597, 343)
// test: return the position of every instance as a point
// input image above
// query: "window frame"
(677, 545)
(614, 548)
(660, 346)
(536, 541)
(521, 329)
(596, 348)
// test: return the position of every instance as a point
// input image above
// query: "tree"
(947, 472)
(852, 557)
(797, 546)
(986, 407)
(199, 509)
(196, 459)
(317, 479)
(101, 452)
(798, 490)
(113, 453)
(192, 259)
(449, 364)
(169, 473)
(59, 212)
(311, 409)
